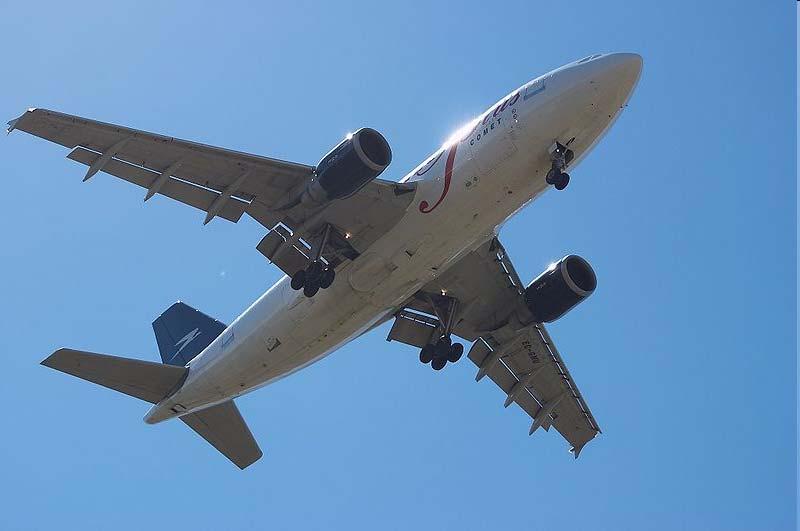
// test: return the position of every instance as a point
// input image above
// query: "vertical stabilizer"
(183, 332)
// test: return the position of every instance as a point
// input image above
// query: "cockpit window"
(587, 59)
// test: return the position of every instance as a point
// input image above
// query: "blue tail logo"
(185, 340)
(183, 332)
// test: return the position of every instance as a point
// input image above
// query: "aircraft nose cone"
(631, 61)
(621, 70)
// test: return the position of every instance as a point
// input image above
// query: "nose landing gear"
(441, 351)
(560, 156)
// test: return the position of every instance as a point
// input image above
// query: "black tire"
(327, 277)
(442, 348)
(438, 363)
(562, 182)
(426, 354)
(310, 289)
(298, 280)
(456, 351)
(314, 270)
(552, 176)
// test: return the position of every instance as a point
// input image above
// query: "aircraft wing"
(512, 350)
(226, 184)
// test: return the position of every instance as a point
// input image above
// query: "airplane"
(358, 251)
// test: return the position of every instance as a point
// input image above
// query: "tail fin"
(146, 380)
(221, 425)
(183, 332)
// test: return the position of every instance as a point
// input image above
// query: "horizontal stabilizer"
(143, 379)
(223, 426)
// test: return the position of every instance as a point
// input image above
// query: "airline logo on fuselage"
(509, 102)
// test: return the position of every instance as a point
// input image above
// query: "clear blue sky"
(686, 353)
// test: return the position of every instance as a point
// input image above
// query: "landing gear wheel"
(442, 348)
(562, 182)
(552, 176)
(298, 280)
(438, 364)
(314, 271)
(456, 350)
(325, 281)
(311, 288)
(426, 354)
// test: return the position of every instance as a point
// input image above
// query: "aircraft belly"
(284, 331)
(369, 271)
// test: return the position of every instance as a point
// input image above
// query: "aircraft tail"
(145, 380)
(183, 332)
(221, 425)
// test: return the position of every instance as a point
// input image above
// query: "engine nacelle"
(560, 288)
(357, 160)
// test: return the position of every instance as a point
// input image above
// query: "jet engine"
(560, 288)
(357, 160)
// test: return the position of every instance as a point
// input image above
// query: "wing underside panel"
(183, 191)
(530, 371)
(516, 353)
(226, 183)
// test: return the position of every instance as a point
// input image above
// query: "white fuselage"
(485, 173)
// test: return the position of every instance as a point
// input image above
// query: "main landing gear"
(439, 353)
(313, 278)
(560, 156)
(442, 350)
(316, 275)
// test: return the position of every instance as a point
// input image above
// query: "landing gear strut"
(442, 350)
(316, 275)
(560, 156)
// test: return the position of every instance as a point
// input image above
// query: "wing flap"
(225, 429)
(184, 192)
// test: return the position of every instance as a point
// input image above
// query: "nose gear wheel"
(560, 157)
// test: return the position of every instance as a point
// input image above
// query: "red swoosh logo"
(448, 174)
